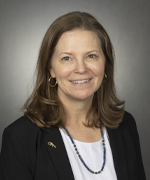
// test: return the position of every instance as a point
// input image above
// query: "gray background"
(23, 25)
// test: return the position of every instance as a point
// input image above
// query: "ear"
(51, 71)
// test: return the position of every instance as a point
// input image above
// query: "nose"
(81, 67)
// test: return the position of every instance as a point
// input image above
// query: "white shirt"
(92, 154)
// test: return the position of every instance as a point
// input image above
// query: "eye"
(92, 56)
(66, 58)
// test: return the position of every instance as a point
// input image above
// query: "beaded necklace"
(104, 151)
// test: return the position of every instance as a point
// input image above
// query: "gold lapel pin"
(51, 144)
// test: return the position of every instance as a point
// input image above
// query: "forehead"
(78, 40)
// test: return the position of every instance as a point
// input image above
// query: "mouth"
(81, 81)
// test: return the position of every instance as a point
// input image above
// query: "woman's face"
(78, 65)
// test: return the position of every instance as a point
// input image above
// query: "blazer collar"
(58, 154)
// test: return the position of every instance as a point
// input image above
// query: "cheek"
(98, 70)
(63, 72)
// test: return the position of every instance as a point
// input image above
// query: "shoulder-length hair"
(44, 108)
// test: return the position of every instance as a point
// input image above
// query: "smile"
(80, 82)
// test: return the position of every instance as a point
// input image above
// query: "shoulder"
(22, 123)
(20, 140)
(23, 131)
(128, 120)
(128, 116)
(23, 127)
(128, 125)
(19, 146)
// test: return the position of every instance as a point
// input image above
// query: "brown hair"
(44, 108)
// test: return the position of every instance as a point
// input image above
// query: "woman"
(74, 125)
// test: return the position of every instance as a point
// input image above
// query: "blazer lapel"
(118, 152)
(58, 154)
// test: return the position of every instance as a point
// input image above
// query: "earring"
(50, 82)
(105, 77)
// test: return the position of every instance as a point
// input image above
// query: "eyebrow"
(71, 53)
(65, 53)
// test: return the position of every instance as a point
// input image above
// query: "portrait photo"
(74, 83)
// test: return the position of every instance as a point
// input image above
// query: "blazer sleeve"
(133, 130)
(14, 163)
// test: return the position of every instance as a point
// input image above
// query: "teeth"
(83, 81)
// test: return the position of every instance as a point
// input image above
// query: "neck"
(76, 111)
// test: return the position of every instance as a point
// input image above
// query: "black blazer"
(26, 155)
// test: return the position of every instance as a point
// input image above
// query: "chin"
(83, 96)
